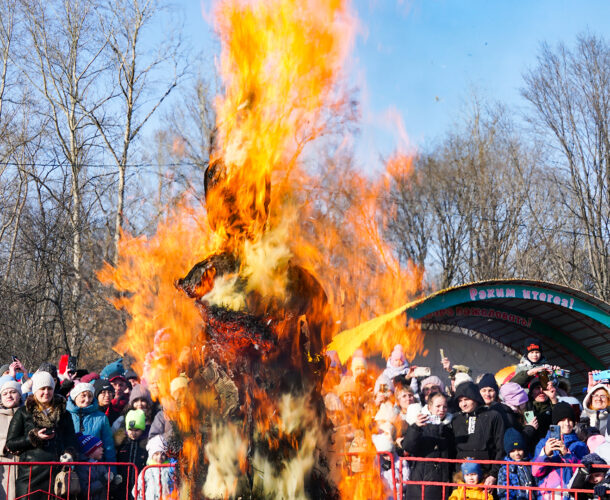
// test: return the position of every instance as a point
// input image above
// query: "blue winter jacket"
(518, 475)
(92, 421)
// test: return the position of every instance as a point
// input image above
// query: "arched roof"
(572, 327)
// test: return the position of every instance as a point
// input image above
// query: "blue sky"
(418, 62)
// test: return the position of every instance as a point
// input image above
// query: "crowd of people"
(531, 417)
(68, 414)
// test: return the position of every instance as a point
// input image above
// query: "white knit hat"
(80, 388)
(155, 444)
(461, 377)
(42, 379)
(11, 384)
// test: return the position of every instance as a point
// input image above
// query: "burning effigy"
(240, 298)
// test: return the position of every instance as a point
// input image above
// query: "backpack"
(66, 480)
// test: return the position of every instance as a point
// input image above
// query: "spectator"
(478, 431)
(132, 377)
(95, 480)
(431, 437)
(595, 406)
(471, 476)
(139, 399)
(160, 482)
(385, 444)
(428, 386)
(10, 401)
(40, 431)
(515, 447)
(541, 402)
(130, 444)
(404, 398)
(567, 449)
(383, 390)
(531, 365)
(89, 420)
(587, 476)
(515, 401)
(104, 394)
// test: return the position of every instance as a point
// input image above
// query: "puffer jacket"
(518, 475)
(557, 477)
(471, 493)
(597, 418)
(7, 474)
(92, 421)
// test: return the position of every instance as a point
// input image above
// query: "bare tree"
(569, 91)
(135, 97)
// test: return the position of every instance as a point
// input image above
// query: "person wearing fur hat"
(478, 430)
(88, 419)
(595, 406)
(10, 401)
(40, 431)
(550, 450)
(430, 436)
(515, 446)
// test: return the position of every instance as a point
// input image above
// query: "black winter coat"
(487, 440)
(429, 441)
(129, 451)
(22, 440)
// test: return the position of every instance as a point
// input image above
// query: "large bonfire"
(243, 296)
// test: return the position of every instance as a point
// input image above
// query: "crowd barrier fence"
(135, 483)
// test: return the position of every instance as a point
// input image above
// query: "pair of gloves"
(113, 479)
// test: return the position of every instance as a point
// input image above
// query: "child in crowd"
(471, 476)
(518, 474)
(131, 445)
(550, 450)
(588, 476)
(158, 482)
(94, 480)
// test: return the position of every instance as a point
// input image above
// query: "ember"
(249, 323)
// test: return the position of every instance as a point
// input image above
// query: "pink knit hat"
(513, 394)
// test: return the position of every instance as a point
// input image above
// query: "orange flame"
(281, 65)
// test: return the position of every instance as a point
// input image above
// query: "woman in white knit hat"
(10, 401)
(40, 431)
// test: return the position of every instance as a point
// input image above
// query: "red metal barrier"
(88, 474)
(532, 490)
(157, 481)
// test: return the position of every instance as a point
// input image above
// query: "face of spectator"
(538, 395)
(599, 399)
(121, 388)
(359, 371)
(104, 398)
(10, 398)
(429, 389)
(134, 434)
(404, 398)
(44, 395)
(84, 399)
(488, 394)
(158, 457)
(140, 404)
(472, 478)
(133, 382)
(348, 399)
(566, 426)
(98, 454)
(438, 407)
(467, 405)
(596, 477)
(357, 463)
(534, 356)
(517, 455)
